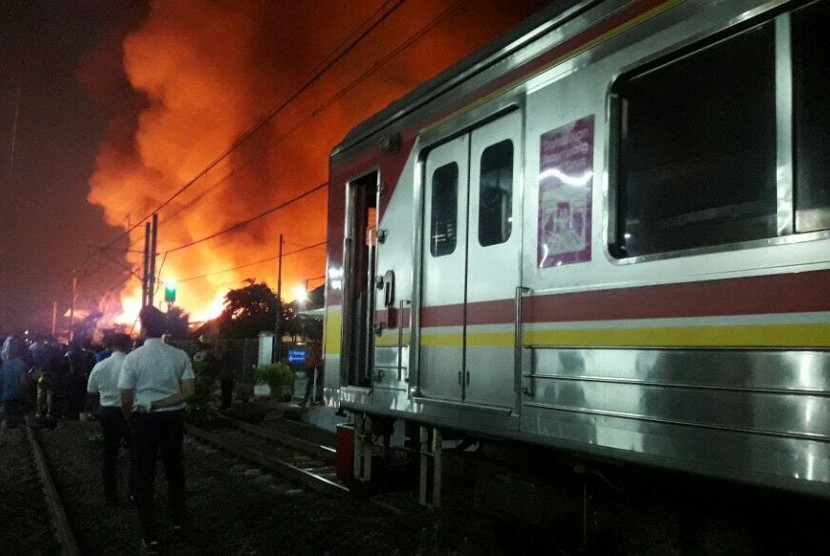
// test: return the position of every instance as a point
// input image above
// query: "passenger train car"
(607, 233)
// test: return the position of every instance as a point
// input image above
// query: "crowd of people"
(52, 377)
(138, 398)
(136, 393)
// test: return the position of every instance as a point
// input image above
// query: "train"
(607, 233)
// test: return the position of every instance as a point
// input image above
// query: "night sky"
(107, 107)
(48, 138)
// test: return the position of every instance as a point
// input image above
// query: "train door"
(470, 265)
(359, 264)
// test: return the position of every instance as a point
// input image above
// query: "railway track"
(38, 523)
(300, 461)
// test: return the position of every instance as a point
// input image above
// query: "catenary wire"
(344, 48)
(261, 261)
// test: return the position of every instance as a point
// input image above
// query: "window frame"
(433, 247)
(785, 155)
(510, 219)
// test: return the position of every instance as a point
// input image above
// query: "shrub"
(275, 375)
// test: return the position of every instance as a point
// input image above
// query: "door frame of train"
(439, 134)
(356, 338)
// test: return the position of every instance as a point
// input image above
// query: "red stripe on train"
(786, 293)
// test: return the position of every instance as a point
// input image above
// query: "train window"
(697, 148)
(444, 225)
(811, 111)
(495, 201)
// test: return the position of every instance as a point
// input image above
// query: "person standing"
(155, 381)
(13, 384)
(313, 365)
(226, 376)
(103, 380)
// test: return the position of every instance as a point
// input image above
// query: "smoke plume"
(207, 72)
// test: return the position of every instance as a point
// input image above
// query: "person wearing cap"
(155, 381)
(103, 380)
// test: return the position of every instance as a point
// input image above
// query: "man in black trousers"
(103, 380)
(155, 381)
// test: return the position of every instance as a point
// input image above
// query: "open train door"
(471, 261)
(358, 296)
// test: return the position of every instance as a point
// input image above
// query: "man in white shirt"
(155, 381)
(103, 380)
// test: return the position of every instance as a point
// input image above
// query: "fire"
(208, 72)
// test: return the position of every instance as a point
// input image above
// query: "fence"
(242, 353)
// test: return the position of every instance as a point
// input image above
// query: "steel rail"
(270, 463)
(60, 521)
(312, 449)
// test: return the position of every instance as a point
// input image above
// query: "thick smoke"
(208, 71)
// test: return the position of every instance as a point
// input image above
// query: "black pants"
(227, 392)
(114, 428)
(153, 431)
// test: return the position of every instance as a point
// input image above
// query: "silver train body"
(608, 233)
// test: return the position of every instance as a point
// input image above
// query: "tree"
(250, 310)
(178, 323)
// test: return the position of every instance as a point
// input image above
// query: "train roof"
(553, 16)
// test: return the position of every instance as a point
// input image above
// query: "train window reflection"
(811, 88)
(444, 222)
(495, 200)
(697, 148)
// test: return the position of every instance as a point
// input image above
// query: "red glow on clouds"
(209, 72)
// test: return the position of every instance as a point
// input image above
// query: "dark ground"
(236, 509)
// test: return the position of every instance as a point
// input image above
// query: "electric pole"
(278, 324)
(145, 276)
(151, 285)
(72, 306)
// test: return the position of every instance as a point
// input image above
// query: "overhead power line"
(429, 26)
(254, 263)
(344, 48)
(247, 221)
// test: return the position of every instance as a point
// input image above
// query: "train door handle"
(459, 378)
(468, 378)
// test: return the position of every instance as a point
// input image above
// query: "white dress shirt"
(103, 379)
(154, 371)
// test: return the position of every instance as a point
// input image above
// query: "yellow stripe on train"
(772, 336)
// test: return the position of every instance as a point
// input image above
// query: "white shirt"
(154, 371)
(104, 379)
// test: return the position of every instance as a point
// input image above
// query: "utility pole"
(278, 324)
(54, 318)
(72, 306)
(151, 286)
(145, 276)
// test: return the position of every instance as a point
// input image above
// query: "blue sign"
(297, 356)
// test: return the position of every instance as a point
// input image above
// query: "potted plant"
(277, 376)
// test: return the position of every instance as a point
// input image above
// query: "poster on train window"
(566, 163)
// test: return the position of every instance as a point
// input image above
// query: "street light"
(301, 293)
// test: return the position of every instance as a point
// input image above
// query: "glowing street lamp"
(300, 293)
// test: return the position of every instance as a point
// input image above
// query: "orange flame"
(209, 72)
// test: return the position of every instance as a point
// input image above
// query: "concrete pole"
(72, 307)
(278, 324)
(145, 277)
(151, 286)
